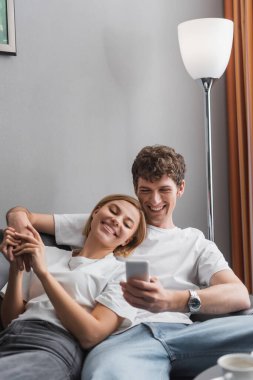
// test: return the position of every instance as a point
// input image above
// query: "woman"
(69, 301)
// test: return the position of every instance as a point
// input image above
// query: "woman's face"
(115, 223)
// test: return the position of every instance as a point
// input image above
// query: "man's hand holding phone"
(143, 291)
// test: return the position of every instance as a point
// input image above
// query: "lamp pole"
(205, 46)
(207, 85)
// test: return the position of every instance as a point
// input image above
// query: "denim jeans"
(151, 351)
(38, 350)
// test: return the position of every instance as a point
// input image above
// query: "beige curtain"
(240, 138)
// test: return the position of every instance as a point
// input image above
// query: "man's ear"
(180, 190)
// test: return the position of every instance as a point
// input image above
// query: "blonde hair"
(139, 234)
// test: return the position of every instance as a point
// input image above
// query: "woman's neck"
(94, 250)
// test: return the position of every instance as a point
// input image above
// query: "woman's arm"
(12, 304)
(88, 328)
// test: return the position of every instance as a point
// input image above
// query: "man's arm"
(18, 218)
(225, 294)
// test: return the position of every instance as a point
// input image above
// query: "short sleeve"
(112, 297)
(69, 229)
(211, 261)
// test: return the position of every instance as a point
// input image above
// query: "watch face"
(195, 303)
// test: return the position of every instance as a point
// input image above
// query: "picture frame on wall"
(7, 27)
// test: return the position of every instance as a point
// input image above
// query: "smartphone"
(137, 269)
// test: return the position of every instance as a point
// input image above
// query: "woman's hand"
(34, 247)
(18, 218)
(10, 240)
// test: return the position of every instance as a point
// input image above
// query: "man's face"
(158, 200)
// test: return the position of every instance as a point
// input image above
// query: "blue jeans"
(151, 351)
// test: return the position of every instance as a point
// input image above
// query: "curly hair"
(152, 162)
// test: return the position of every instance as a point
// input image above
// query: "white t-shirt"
(180, 258)
(87, 281)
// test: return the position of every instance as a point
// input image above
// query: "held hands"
(10, 241)
(150, 296)
(24, 247)
(18, 219)
(33, 247)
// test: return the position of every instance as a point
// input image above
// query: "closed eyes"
(115, 210)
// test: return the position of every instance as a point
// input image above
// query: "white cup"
(236, 367)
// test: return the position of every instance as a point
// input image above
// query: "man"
(189, 274)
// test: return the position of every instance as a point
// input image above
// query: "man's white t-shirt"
(180, 258)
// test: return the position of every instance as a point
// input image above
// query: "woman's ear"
(127, 241)
(95, 211)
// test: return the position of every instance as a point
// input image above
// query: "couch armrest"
(204, 317)
(49, 240)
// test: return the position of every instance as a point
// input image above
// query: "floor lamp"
(205, 46)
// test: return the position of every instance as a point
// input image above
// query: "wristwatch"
(194, 302)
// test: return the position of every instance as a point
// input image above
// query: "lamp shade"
(205, 46)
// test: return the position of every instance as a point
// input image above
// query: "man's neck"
(164, 225)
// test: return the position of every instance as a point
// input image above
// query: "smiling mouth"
(109, 229)
(156, 209)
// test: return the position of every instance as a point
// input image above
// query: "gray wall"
(92, 83)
